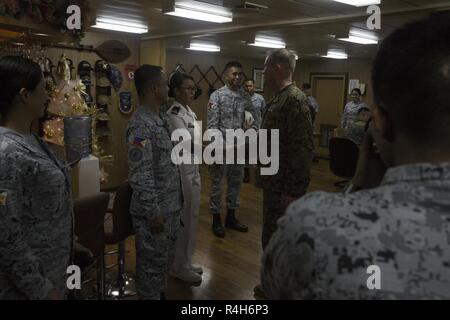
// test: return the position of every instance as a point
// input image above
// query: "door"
(329, 90)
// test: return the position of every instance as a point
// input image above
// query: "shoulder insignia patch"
(175, 110)
(139, 142)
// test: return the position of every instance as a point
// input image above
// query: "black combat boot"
(232, 223)
(217, 227)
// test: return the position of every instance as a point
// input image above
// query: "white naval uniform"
(182, 117)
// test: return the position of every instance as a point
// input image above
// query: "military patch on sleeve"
(175, 110)
(139, 142)
(3, 197)
(135, 154)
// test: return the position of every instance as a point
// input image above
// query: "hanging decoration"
(68, 99)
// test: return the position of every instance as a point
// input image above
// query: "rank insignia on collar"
(3, 198)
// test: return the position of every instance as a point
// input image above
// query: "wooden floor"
(231, 265)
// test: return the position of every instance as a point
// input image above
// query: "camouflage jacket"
(152, 175)
(325, 242)
(259, 103)
(36, 219)
(226, 109)
(289, 113)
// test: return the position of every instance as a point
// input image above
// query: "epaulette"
(175, 110)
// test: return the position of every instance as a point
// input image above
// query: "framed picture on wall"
(258, 76)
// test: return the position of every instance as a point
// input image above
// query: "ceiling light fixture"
(361, 37)
(204, 46)
(336, 54)
(266, 42)
(40, 34)
(359, 3)
(199, 11)
(120, 25)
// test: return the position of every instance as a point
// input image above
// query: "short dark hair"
(284, 57)
(233, 64)
(146, 76)
(176, 81)
(358, 91)
(16, 73)
(247, 80)
(411, 77)
(306, 86)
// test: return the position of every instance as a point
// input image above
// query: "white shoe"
(197, 269)
(186, 275)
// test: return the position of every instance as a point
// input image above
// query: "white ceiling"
(305, 25)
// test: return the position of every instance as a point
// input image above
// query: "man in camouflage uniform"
(260, 104)
(226, 110)
(326, 242)
(157, 198)
(289, 113)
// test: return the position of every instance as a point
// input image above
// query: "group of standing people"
(35, 193)
(35, 188)
(163, 192)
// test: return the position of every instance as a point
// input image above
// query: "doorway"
(330, 91)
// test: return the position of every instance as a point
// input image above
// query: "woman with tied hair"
(182, 89)
(36, 216)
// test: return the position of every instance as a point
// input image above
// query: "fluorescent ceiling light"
(268, 43)
(336, 54)
(201, 11)
(203, 46)
(359, 3)
(120, 25)
(361, 37)
(40, 34)
(359, 40)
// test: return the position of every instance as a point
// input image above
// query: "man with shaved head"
(289, 113)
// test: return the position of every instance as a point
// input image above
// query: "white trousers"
(184, 247)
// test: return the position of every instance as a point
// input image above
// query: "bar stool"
(122, 228)
(89, 216)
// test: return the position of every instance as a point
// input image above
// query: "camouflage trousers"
(272, 211)
(234, 174)
(154, 256)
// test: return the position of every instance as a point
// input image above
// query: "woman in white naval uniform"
(182, 88)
